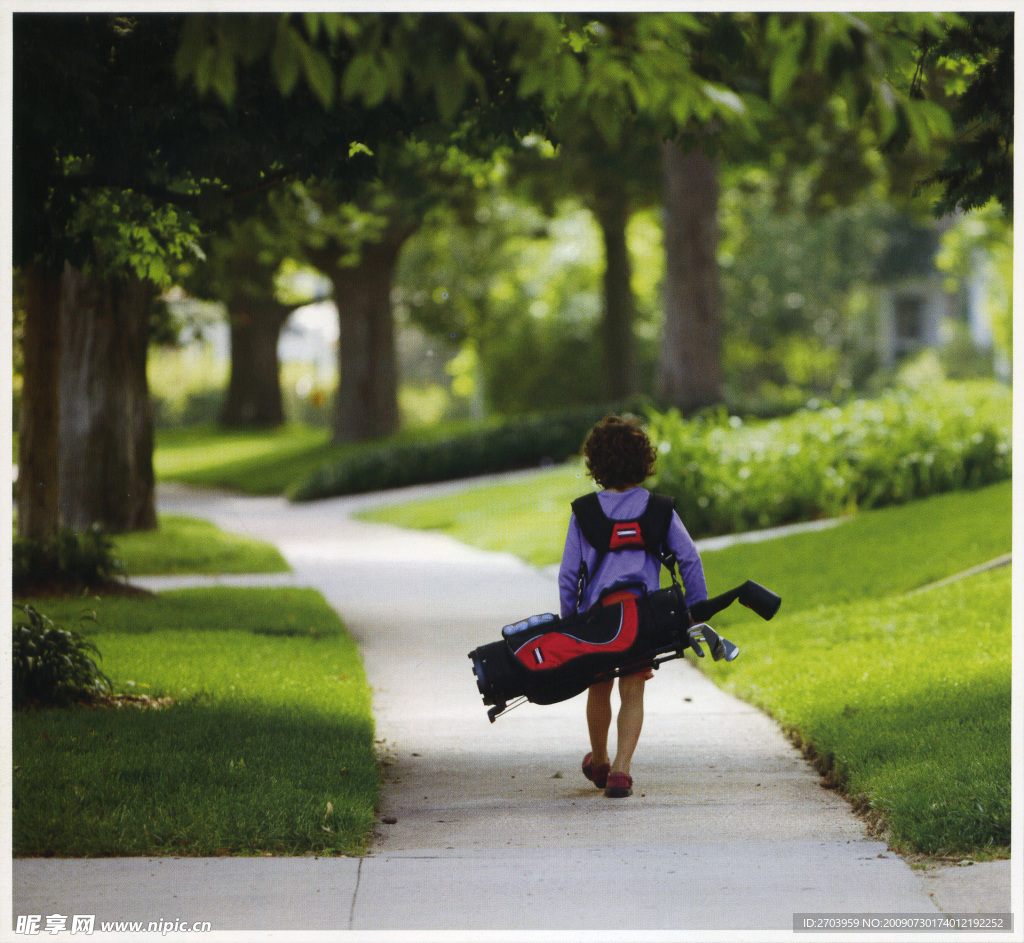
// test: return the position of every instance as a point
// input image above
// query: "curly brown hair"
(619, 455)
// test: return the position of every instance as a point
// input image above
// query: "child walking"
(620, 457)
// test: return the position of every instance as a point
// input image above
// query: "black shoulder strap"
(593, 522)
(656, 519)
(663, 507)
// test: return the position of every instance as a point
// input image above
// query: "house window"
(909, 316)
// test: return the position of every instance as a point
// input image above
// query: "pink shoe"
(619, 785)
(599, 776)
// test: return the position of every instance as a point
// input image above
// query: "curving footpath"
(492, 827)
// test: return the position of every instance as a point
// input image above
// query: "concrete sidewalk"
(492, 827)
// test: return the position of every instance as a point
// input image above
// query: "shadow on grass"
(905, 702)
(199, 778)
(931, 768)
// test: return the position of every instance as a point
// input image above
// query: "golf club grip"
(752, 595)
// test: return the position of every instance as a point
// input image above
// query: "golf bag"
(545, 659)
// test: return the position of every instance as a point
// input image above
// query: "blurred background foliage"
(373, 223)
(499, 316)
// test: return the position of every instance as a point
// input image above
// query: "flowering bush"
(728, 475)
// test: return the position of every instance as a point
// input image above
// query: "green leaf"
(577, 41)
(356, 75)
(203, 70)
(921, 129)
(313, 23)
(191, 47)
(784, 70)
(157, 271)
(682, 105)
(608, 121)
(532, 81)
(284, 59)
(223, 77)
(319, 74)
(938, 119)
(890, 117)
(571, 75)
(393, 71)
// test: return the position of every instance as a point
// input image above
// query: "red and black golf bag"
(546, 659)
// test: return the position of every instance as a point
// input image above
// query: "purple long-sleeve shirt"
(626, 566)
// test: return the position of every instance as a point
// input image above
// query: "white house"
(917, 309)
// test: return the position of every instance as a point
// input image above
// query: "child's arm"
(691, 570)
(569, 571)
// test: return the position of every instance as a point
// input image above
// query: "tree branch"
(97, 181)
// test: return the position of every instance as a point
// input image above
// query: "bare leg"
(631, 720)
(599, 719)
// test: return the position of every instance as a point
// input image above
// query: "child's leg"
(631, 719)
(599, 719)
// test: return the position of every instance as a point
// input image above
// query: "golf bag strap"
(648, 532)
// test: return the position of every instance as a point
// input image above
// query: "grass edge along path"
(266, 748)
(827, 579)
(860, 616)
(903, 704)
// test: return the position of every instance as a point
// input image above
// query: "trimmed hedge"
(539, 439)
(729, 476)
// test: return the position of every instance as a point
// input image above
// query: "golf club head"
(720, 648)
(730, 650)
(759, 599)
(693, 633)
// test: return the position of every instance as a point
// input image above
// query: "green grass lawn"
(188, 545)
(267, 746)
(526, 518)
(874, 554)
(880, 549)
(264, 461)
(257, 462)
(904, 697)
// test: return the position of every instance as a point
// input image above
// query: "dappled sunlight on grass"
(261, 461)
(528, 518)
(267, 745)
(874, 554)
(188, 545)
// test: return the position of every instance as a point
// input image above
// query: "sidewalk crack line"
(355, 894)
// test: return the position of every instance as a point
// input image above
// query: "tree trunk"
(254, 389)
(689, 366)
(366, 402)
(38, 432)
(617, 341)
(106, 423)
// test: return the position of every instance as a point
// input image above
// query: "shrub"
(51, 664)
(729, 476)
(542, 438)
(71, 560)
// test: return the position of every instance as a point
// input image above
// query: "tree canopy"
(978, 50)
(139, 135)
